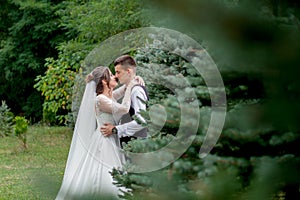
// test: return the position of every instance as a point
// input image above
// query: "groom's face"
(122, 74)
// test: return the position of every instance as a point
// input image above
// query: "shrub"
(20, 129)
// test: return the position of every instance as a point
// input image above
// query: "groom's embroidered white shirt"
(129, 127)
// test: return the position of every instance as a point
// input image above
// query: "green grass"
(34, 173)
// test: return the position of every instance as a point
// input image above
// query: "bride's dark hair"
(98, 74)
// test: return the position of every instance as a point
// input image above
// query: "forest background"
(255, 44)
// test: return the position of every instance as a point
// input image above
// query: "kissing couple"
(102, 125)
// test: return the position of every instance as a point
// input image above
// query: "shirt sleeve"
(138, 97)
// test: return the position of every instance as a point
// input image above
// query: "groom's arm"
(129, 129)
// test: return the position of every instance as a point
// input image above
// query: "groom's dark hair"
(125, 60)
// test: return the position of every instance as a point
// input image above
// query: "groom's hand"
(106, 129)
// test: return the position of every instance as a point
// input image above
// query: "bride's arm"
(119, 92)
(107, 105)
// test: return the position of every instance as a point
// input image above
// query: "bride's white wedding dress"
(93, 156)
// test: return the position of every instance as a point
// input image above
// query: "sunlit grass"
(34, 173)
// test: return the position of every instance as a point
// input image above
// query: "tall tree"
(98, 21)
(31, 33)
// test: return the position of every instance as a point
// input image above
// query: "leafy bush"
(20, 129)
(56, 86)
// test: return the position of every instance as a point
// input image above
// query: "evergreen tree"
(257, 53)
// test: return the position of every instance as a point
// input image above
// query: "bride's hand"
(139, 80)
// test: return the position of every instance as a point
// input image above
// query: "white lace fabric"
(92, 156)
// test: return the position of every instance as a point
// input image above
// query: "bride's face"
(113, 82)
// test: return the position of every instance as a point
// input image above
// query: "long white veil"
(84, 127)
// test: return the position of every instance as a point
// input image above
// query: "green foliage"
(41, 36)
(10, 125)
(101, 19)
(20, 129)
(31, 33)
(57, 83)
(6, 120)
(171, 82)
(256, 156)
(255, 45)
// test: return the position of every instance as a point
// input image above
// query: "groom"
(125, 69)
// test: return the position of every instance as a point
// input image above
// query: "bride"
(92, 156)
